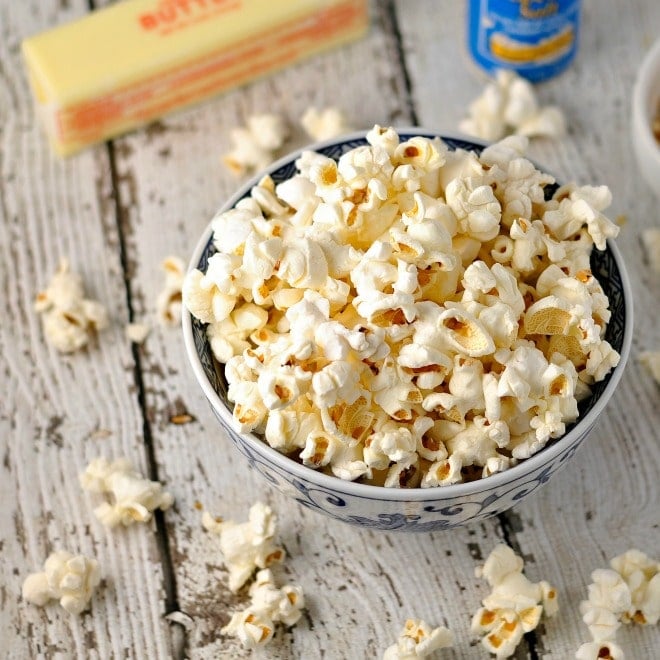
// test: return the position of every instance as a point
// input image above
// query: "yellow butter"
(123, 66)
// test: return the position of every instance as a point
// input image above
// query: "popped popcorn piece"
(168, 302)
(69, 319)
(324, 124)
(418, 640)
(651, 360)
(71, 579)
(651, 243)
(251, 628)
(408, 315)
(280, 604)
(642, 575)
(628, 592)
(605, 650)
(508, 104)
(246, 546)
(132, 498)
(515, 604)
(137, 332)
(253, 146)
(269, 605)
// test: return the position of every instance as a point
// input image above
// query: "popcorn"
(408, 315)
(69, 319)
(651, 360)
(133, 498)
(508, 104)
(515, 604)
(71, 579)
(269, 604)
(476, 208)
(324, 124)
(254, 146)
(168, 303)
(651, 243)
(418, 640)
(229, 337)
(246, 546)
(251, 628)
(602, 359)
(606, 650)
(628, 592)
(137, 332)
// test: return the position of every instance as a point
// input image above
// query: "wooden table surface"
(118, 209)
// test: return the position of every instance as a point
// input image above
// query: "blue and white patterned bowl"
(415, 509)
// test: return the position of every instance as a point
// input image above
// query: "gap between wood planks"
(179, 634)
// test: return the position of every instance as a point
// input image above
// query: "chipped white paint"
(56, 413)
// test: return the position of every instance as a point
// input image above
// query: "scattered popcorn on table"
(409, 315)
(627, 592)
(651, 360)
(69, 319)
(514, 606)
(132, 498)
(508, 105)
(254, 146)
(246, 546)
(651, 242)
(269, 605)
(71, 579)
(419, 640)
(168, 303)
(324, 124)
(137, 332)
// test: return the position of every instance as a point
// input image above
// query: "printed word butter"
(137, 60)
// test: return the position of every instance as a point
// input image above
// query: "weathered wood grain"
(118, 212)
(608, 499)
(58, 412)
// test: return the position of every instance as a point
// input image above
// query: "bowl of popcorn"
(407, 331)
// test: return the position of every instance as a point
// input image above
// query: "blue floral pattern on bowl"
(409, 510)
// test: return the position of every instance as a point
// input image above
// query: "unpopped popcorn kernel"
(133, 498)
(419, 640)
(246, 546)
(71, 579)
(69, 319)
(324, 124)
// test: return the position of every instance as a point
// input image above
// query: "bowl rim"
(648, 72)
(351, 488)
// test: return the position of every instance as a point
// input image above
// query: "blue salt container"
(536, 38)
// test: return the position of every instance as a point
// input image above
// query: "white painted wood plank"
(361, 586)
(607, 500)
(58, 412)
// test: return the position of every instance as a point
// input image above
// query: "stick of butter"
(123, 66)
